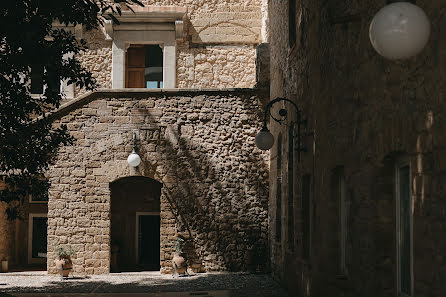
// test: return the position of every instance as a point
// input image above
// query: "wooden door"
(135, 67)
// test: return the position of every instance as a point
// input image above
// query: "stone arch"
(116, 170)
(135, 224)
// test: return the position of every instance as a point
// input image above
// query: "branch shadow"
(219, 192)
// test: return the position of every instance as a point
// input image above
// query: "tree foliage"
(29, 42)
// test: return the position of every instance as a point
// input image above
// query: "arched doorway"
(135, 224)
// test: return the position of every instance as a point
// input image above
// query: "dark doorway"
(135, 224)
(39, 237)
(149, 241)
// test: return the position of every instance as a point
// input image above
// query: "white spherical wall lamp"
(399, 30)
(134, 159)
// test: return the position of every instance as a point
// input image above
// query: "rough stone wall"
(218, 49)
(218, 67)
(199, 145)
(229, 21)
(97, 59)
(365, 111)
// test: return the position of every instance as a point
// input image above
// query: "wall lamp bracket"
(265, 140)
(134, 159)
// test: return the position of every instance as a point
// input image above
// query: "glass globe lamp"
(264, 139)
(399, 30)
(133, 159)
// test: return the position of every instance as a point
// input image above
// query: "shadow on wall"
(219, 191)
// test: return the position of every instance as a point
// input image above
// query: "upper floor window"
(38, 72)
(144, 66)
(37, 79)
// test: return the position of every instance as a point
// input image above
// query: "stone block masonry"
(217, 49)
(199, 145)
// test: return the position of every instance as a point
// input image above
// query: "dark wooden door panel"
(135, 67)
(135, 78)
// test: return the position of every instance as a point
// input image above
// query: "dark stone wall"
(363, 113)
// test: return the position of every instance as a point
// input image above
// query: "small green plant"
(179, 245)
(64, 252)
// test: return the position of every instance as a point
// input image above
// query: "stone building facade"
(196, 145)
(211, 44)
(200, 178)
(375, 133)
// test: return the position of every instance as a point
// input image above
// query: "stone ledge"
(100, 93)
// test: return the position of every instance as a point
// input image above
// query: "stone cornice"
(148, 14)
(153, 14)
(77, 103)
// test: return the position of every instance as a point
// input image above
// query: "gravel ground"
(234, 284)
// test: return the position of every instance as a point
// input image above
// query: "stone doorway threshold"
(163, 294)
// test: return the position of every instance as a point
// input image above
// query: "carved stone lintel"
(179, 29)
(108, 25)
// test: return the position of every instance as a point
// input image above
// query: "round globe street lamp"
(265, 140)
(133, 159)
(399, 30)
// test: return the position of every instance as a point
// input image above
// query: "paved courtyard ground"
(139, 284)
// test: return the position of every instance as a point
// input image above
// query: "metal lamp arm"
(268, 110)
(134, 141)
(299, 121)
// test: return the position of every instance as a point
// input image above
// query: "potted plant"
(4, 267)
(63, 263)
(178, 261)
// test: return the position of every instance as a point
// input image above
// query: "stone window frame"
(148, 25)
(401, 162)
(31, 216)
(30, 198)
(66, 90)
(137, 215)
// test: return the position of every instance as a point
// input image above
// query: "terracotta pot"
(4, 266)
(196, 266)
(64, 266)
(180, 263)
